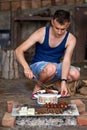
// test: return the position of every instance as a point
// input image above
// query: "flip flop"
(68, 95)
(33, 95)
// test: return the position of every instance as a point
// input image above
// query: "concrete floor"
(20, 90)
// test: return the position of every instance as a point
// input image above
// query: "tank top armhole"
(65, 39)
(46, 34)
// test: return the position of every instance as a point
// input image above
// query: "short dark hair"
(62, 16)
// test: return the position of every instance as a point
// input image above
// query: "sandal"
(33, 95)
(68, 95)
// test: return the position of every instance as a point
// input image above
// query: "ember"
(46, 121)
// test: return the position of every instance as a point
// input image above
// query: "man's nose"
(59, 31)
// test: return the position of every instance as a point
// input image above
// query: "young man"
(52, 43)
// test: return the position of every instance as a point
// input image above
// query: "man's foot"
(33, 96)
(35, 91)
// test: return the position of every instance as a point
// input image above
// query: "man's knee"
(75, 74)
(50, 69)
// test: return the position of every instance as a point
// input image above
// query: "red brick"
(80, 1)
(82, 120)
(70, 1)
(36, 3)
(59, 2)
(10, 105)
(80, 105)
(25, 4)
(84, 113)
(8, 120)
(46, 3)
(5, 5)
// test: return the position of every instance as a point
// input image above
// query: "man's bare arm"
(19, 52)
(67, 60)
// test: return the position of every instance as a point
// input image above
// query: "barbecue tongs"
(39, 82)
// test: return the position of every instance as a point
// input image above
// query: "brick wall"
(30, 27)
(27, 4)
(36, 4)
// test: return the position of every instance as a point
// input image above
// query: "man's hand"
(64, 90)
(28, 73)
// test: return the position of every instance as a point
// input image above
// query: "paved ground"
(20, 90)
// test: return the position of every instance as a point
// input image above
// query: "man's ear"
(68, 25)
(52, 22)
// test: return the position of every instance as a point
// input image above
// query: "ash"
(46, 121)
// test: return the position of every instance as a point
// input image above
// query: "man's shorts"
(39, 66)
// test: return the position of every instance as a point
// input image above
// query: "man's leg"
(44, 72)
(74, 74)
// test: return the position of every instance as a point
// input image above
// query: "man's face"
(59, 29)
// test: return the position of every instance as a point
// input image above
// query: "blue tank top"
(43, 52)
